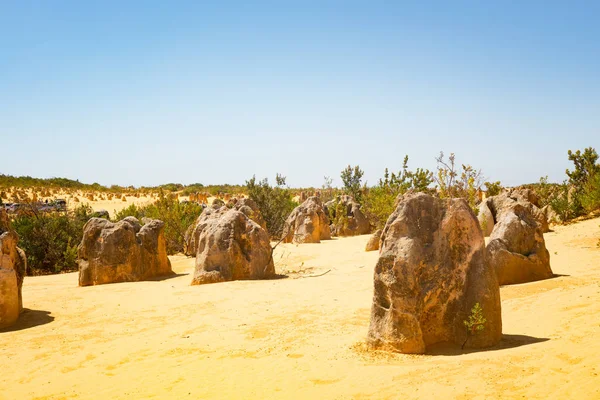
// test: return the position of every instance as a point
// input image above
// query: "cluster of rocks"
(230, 242)
(431, 271)
(246, 206)
(313, 221)
(492, 208)
(308, 223)
(434, 266)
(13, 268)
(515, 225)
(347, 217)
(124, 251)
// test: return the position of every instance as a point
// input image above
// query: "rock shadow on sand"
(29, 319)
(167, 277)
(276, 277)
(554, 276)
(508, 342)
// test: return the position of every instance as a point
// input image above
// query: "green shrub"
(493, 188)
(379, 201)
(561, 197)
(351, 178)
(338, 214)
(50, 240)
(475, 323)
(171, 187)
(177, 216)
(216, 189)
(379, 205)
(562, 203)
(590, 196)
(580, 194)
(193, 188)
(545, 191)
(131, 211)
(582, 178)
(275, 202)
(452, 185)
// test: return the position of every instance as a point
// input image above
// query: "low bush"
(50, 239)
(545, 191)
(561, 201)
(177, 216)
(452, 185)
(338, 215)
(590, 196)
(351, 178)
(193, 188)
(131, 211)
(493, 188)
(274, 202)
(379, 200)
(578, 195)
(475, 324)
(583, 180)
(172, 187)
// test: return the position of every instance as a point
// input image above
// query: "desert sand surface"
(114, 206)
(101, 201)
(301, 337)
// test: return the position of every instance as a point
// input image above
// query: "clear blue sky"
(149, 92)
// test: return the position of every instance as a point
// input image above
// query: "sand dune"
(299, 337)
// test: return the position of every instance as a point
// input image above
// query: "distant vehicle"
(12, 207)
(59, 204)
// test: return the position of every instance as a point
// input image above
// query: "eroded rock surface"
(246, 206)
(13, 268)
(308, 223)
(347, 219)
(497, 205)
(375, 241)
(231, 246)
(431, 271)
(485, 218)
(517, 249)
(124, 251)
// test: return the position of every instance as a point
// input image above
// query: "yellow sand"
(297, 338)
(100, 200)
(113, 206)
(75, 198)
